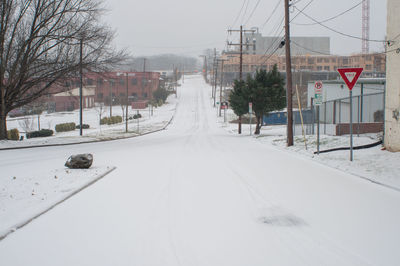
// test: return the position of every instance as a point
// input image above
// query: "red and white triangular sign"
(350, 75)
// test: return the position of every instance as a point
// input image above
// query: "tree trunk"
(240, 125)
(257, 132)
(3, 115)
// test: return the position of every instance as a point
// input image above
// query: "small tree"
(267, 93)
(161, 94)
(238, 100)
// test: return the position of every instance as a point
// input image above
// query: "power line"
(332, 18)
(336, 31)
(238, 15)
(245, 11)
(252, 12)
(272, 13)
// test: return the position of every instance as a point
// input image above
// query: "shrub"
(40, 133)
(13, 134)
(65, 127)
(136, 116)
(84, 126)
(111, 120)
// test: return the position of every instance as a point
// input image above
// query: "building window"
(89, 82)
(319, 68)
(333, 60)
(311, 61)
(99, 82)
(319, 60)
(134, 81)
(144, 95)
(100, 96)
(144, 82)
(368, 67)
(121, 81)
(327, 68)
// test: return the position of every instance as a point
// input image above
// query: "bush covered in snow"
(13, 134)
(84, 126)
(40, 133)
(111, 120)
(65, 127)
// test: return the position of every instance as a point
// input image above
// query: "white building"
(392, 109)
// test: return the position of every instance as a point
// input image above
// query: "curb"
(23, 223)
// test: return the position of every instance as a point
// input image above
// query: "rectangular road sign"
(318, 92)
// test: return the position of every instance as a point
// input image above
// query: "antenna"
(365, 26)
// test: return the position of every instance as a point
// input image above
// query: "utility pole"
(111, 97)
(289, 84)
(126, 108)
(144, 64)
(81, 87)
(221, 81)
(240, 44)
(215, 81)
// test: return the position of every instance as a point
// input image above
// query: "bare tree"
(26, 123)
(40, 47)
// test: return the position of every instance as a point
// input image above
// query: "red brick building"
(140, 85)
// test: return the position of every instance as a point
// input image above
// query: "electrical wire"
(245, 11)
(252, 12)
(238, 15)
(272, 13)
(336, 31)
(332, 18)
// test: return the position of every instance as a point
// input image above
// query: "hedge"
(13, 134)
(65, 127)
(111, 120)
(40, 133)
(84, 126)
(136, 116)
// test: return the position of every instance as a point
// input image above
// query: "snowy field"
(373, 164)
(25, 196)
(148, 123)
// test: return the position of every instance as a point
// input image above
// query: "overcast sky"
(188, 27)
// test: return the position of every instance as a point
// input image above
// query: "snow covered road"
(195, 195)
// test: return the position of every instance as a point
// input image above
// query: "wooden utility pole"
(221, 82)
(144, 64)
(126, 107)
(289, 82)
(240, 44)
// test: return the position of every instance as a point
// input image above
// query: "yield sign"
(350, 75)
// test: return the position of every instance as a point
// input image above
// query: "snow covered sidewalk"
(158, 120)
(373, 164)
(25, 197)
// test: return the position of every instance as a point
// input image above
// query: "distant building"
(69, 100)
(255, 43)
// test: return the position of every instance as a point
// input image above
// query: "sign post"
(250, 111)
(350, 77)
(318, 102)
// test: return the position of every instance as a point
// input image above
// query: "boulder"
(79, 161)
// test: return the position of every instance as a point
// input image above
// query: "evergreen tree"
(238, 100)
(267, 93)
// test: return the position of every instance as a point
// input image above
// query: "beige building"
(392, 109)
(372, 63)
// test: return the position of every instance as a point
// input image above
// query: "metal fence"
(366, 109)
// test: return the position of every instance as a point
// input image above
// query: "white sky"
(188, 27)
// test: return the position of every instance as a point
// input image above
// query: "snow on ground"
(374, 164)
(194, 194)
(148, 123)
(24, 196)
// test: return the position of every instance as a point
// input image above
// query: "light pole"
(111, 97)
(81, 86)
